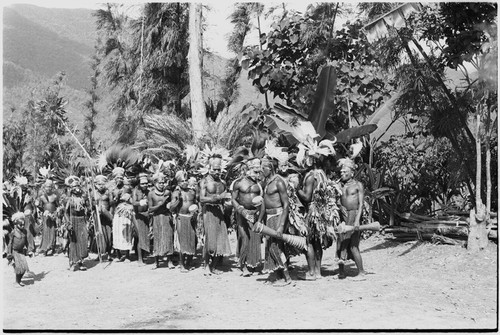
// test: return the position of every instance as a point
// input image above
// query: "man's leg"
(207, 265)
(139, 256)
(216, 261)
(356, 254)
(311, 259)
(157, 263)
(317, 257)
(18, 279)
(170, 263)
(127, 256)
(182, 262)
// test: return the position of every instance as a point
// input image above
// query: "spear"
(99, 227)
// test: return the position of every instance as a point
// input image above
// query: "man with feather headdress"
(17, 247)
(49, 201)
(275, 207)
(320, 199)
(75, 214)
(140, 203)
(21, 194)
(184, 204)
(103, 200)
(163, 228)
(213, 195)
(351, 211)
(244, 190)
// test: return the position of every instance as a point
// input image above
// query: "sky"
(218, 25)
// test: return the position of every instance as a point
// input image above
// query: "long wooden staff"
(98, 232)
(99, 227)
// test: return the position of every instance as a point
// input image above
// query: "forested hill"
(38, 43)
(44, 41)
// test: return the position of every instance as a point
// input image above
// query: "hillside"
(30, 43)
(41, 42)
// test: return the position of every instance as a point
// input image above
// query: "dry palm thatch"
(228, 131)
(164, 136)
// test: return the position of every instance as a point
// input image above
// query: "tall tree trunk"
(198, 113)
(260, 45)
(478, 235)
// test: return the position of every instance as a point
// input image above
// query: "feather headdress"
(348, 163)
(44, 173)
(310, 149)
(191, 153)
(119, 157)
(274, 152)
(72, 181)
(205, 156)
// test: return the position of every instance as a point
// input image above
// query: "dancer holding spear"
(98, 220)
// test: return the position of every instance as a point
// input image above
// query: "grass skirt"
(248, 249)
(48, 234)
(29, 225)
(163, 235)
(216, 237)
(142, 230)
(78, 238)
(186, 230)
(275, 257)
(20, 263)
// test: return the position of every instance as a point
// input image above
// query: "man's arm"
(66, 213)
(205, 198)
(152, 209)
(305, 194)
(281, 186)
(361, 200)
(234, 195)
(135, 198)
(175, 201)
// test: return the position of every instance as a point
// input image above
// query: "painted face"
(254, 169)
(101, 186)
(143, 184)
(215, 168)
(346, 174)
(76, 190)
(267, 169)
(160, 184)
(119, 180)
(19, 223)
(49, 187)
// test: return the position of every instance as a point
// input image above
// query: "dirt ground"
(413, 285)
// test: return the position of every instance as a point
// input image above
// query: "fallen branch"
(444, 240)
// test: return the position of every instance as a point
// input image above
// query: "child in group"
(18, 244)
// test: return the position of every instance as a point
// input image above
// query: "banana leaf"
(324, 99)
(294, 133)
(346, 135)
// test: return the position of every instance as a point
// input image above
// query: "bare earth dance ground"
(413, 285)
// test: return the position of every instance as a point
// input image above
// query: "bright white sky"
(218, 25)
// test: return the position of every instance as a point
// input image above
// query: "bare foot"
(246, 273)
(281, 283)
(18, 284)
(156, 266)
(307, 276)
(184, 270)
(216, 272)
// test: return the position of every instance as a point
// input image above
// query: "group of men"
(158, 214)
